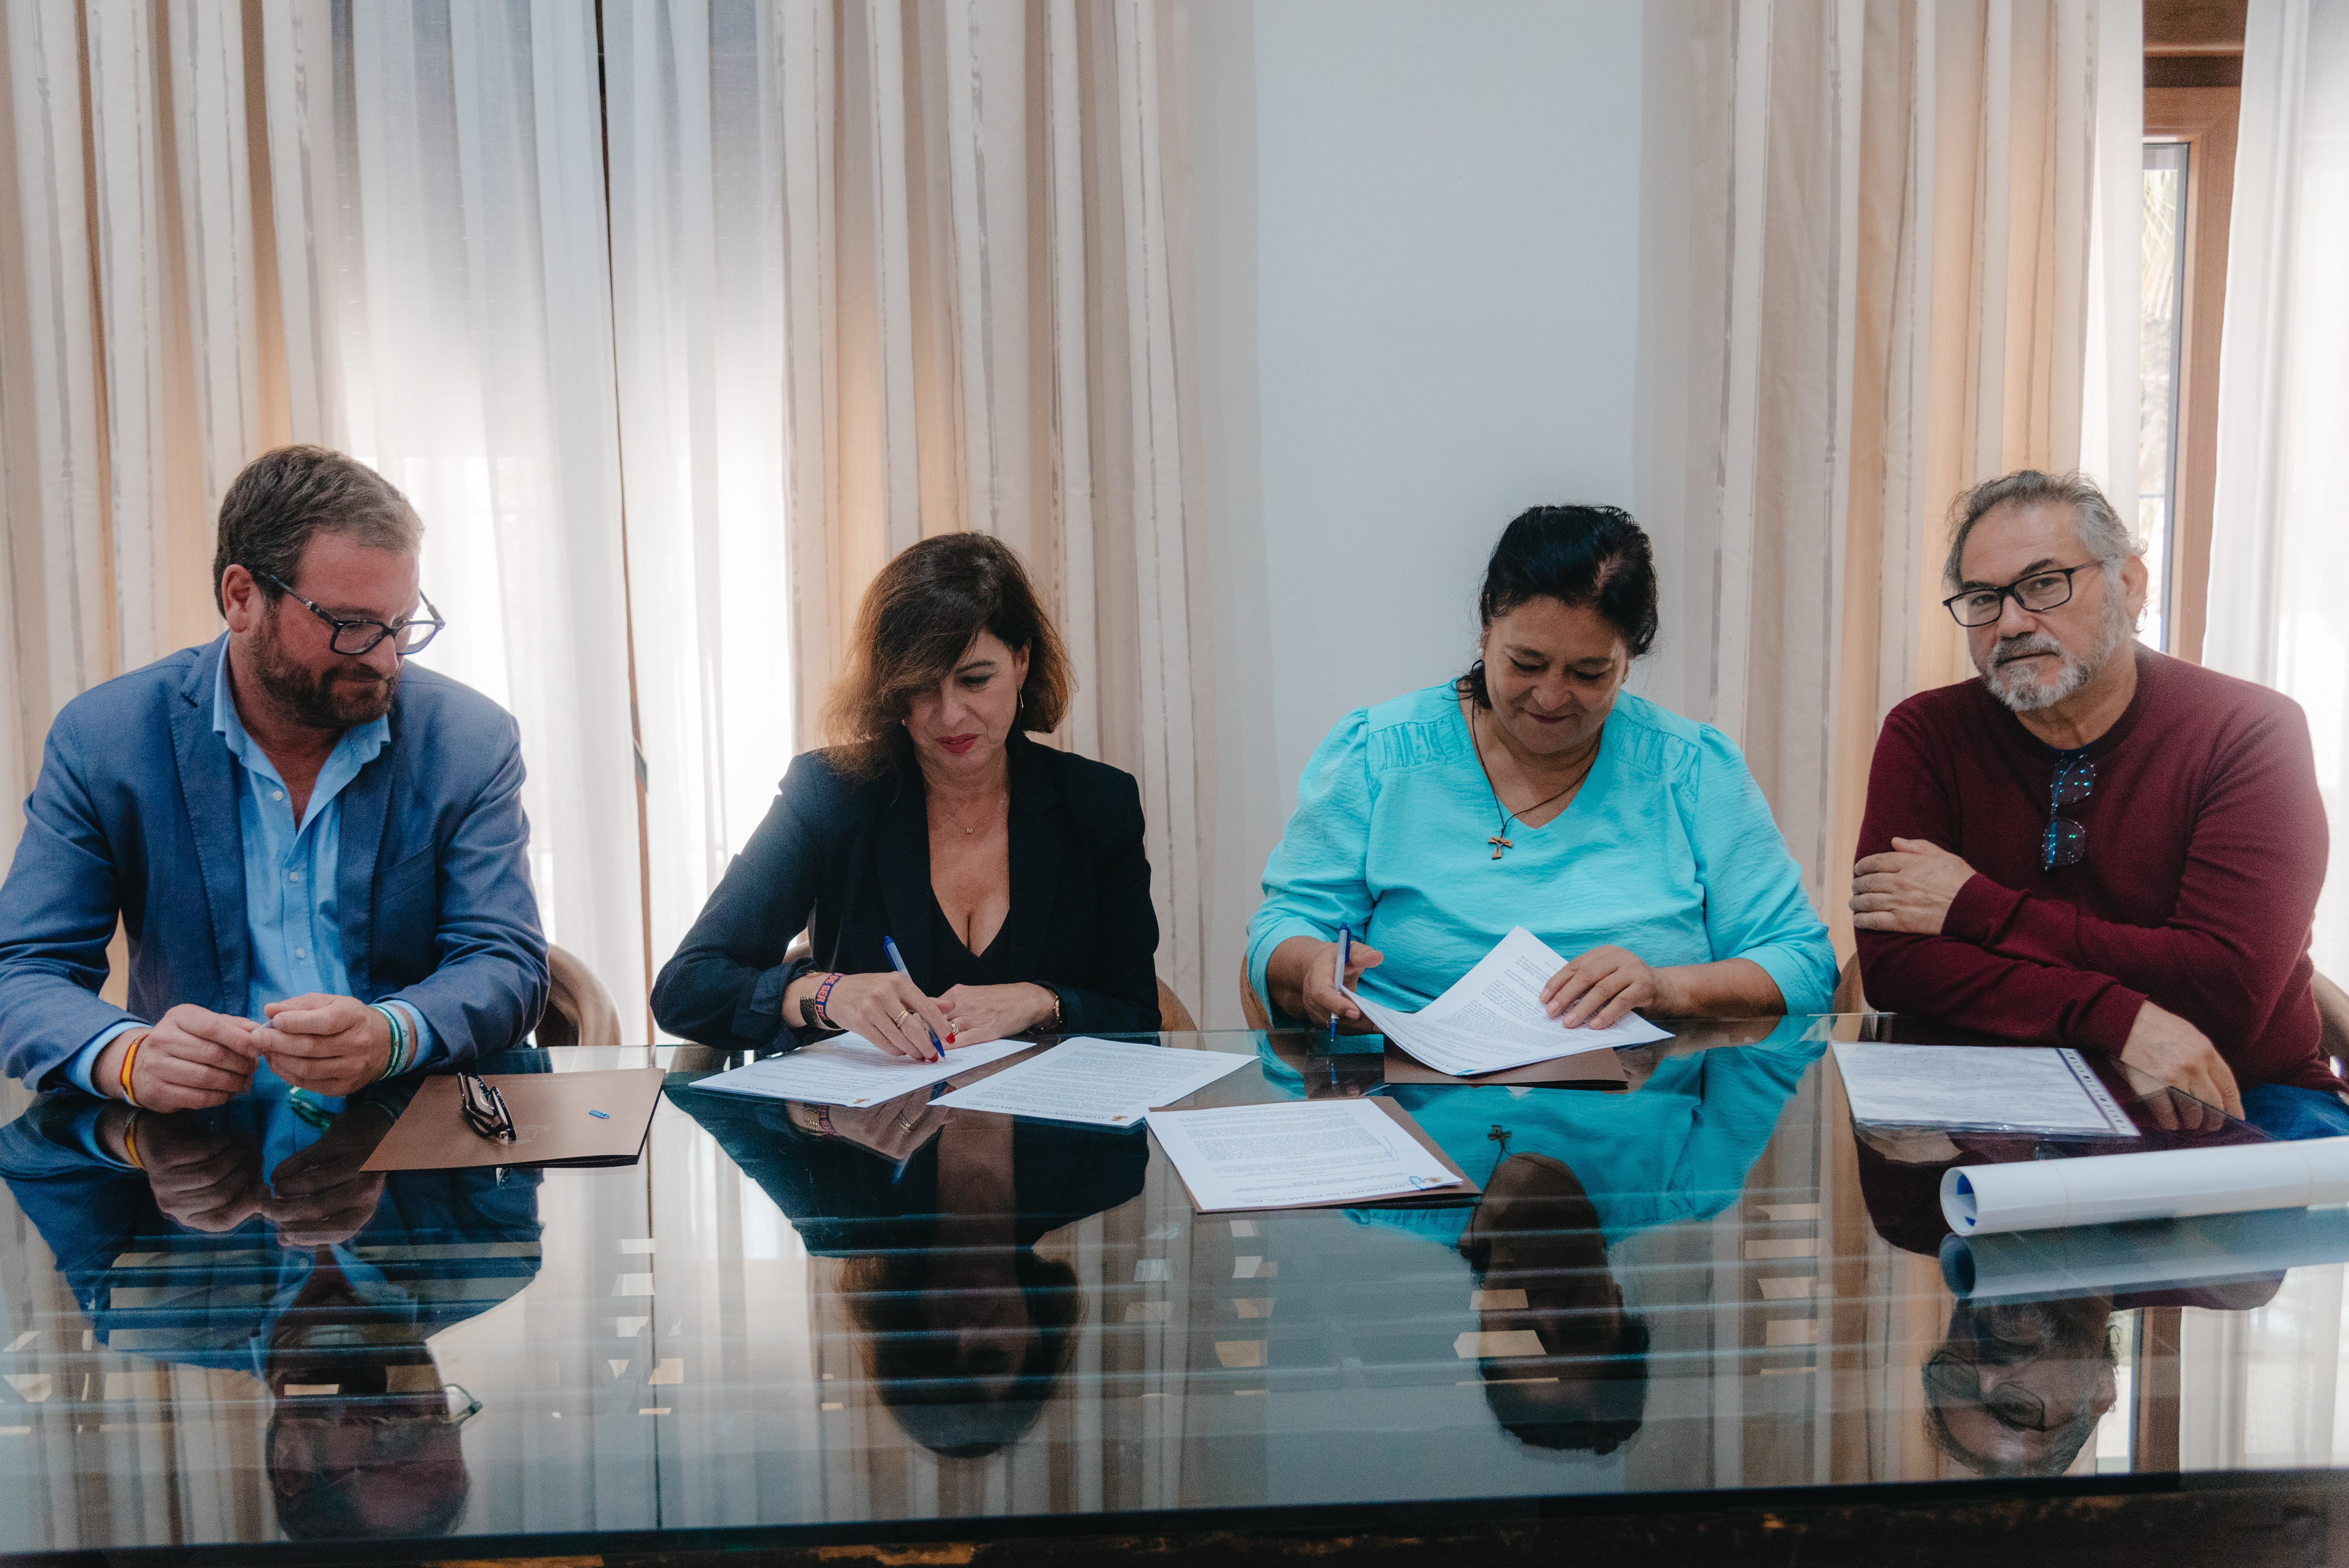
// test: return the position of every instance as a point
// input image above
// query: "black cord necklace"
(1500, 839)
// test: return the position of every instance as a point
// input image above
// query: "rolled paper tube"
(2040, 1265)
(2169, 1183)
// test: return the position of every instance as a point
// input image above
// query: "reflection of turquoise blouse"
(1668, 851)
(1676, 1147)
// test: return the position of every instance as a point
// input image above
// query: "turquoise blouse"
(1669, 852)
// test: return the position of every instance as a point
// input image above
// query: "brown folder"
(1601, 1069)
(554, 1121)
(1466, 1194)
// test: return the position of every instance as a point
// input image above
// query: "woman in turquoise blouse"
(1534, 791)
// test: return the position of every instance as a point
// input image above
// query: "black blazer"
(852, 858)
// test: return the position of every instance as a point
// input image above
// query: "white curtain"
(880, 273)
(2279, 554)
(1893, 205)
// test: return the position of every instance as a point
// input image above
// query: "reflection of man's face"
(2044, 1371)
(992, 1333)
(390, 1464)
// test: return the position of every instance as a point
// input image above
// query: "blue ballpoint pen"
(898, 961)
(1345, 955)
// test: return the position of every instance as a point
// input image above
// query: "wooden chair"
(579, 1010)
(1174, 1018)
(1252, 1009)
(2331, 1017)
(1848, 997)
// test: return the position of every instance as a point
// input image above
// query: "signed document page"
(1492, 1018)
(850, 1070)
(1298, 1154)
(1106, 1083)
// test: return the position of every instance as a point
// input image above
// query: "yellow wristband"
(129, 1058)
(131, 1144)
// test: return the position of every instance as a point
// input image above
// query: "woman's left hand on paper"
(1603, 985)
(984, 1013)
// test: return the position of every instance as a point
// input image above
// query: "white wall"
(1418, 230)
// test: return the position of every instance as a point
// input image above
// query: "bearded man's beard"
(2013, 684)
(344, 697)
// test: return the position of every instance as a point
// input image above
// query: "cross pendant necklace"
(1500, 839)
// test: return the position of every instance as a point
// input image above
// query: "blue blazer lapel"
(208, 791)
(366, 804)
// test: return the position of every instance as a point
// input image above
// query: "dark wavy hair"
(916, 622)
(285, 496)
(1591, 557)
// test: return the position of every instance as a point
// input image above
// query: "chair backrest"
(579, 1011)
(1848, 997)
(1252, 1007)
(1173, 1016)
(2333, 1017)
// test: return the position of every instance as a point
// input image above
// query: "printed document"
(1991, 1089)
(1108, 1083)
(1493, 1018)
(850, 1070)
(1295, 1153)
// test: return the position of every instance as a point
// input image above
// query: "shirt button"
(301, 952)
(294, 876)
(277, 794)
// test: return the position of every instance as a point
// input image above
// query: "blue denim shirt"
(289, 877)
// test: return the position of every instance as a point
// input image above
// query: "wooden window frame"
(2203, 118)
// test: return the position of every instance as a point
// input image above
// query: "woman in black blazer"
(1010, 874)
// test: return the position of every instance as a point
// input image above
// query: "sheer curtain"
(2280, 557)
(1895, 203)
(880, 273)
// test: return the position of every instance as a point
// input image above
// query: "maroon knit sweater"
(2206, 850)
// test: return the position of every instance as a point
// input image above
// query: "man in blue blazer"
(317, 851)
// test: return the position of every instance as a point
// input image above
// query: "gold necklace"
(1500, 839)
(958, 821)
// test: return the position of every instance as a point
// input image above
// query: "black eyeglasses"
(353, 638)
(485, 1109)
(1959, 1380)
(2043, 590)
(2067, 841)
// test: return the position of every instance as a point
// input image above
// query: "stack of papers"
(1493, 1018)
(851, 1070)
(1990, 1089)
(1303, 1153)
(1103, 1083)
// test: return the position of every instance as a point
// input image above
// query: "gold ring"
(904, 1123)
(903, 1017)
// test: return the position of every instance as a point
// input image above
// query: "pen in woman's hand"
(898, 961)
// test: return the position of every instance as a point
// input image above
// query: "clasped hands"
(892, 1012)
(195, 1059)
(208, 1177)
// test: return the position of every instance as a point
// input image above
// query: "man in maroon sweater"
(2096, 845)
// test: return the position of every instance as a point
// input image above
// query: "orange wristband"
(129, 1058)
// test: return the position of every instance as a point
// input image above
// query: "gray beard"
(2015, 687)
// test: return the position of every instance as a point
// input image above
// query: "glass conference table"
(800, 1330)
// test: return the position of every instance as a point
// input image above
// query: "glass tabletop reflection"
(216, 1329)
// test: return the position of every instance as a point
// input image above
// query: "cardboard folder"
(1601, 1068)
(554, 1124)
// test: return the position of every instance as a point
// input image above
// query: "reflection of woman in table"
(1567, 1174)
(156, 1223)
(965, 1327)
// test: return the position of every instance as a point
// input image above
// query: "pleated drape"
(937, 248)
(379, 227)
(1900, 280)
